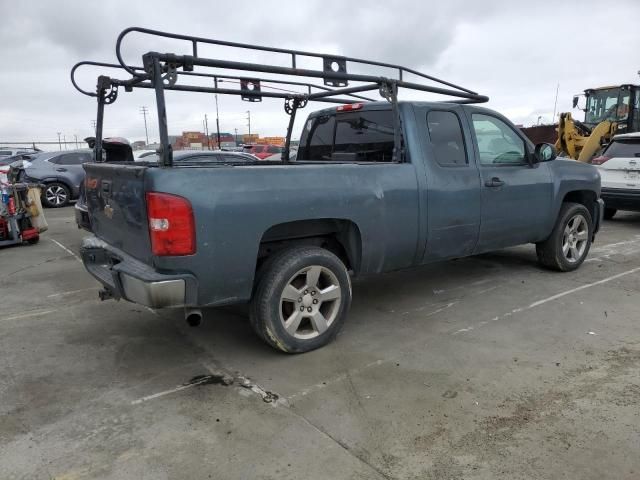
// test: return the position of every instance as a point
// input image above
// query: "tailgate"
(115, 198)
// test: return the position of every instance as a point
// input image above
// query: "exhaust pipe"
(193, 316)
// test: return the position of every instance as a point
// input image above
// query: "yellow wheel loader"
(608, 112)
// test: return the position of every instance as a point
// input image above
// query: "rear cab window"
(356, 136)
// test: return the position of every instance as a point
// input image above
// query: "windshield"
(607, 104)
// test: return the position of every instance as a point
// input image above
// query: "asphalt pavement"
(482, 368)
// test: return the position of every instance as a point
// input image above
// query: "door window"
(446, 137)
(498, 144)
(73, 158)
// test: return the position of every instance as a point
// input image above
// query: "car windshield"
(607, 104)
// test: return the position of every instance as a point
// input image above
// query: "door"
(516, 194)
(453, 185)
(69, 166)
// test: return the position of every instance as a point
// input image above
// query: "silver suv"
(61, 173)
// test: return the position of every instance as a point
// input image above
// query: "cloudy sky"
(515, 52)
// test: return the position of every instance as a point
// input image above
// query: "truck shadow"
(384, 299)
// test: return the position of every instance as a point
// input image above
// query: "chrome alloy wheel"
(575, 238)
(310, 302)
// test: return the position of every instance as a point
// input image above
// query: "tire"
(570, 241)
(56, 195)
(301, 299)
(609, 213)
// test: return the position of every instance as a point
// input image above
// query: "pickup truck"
(288, 237)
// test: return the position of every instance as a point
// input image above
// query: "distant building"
(253, 138)
(191, 141)
(138, 145)
(277, 141)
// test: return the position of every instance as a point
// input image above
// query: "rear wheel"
(609, 213)
(301, 300)
(56, 195)
(570, 241)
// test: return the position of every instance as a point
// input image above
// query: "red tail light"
(171, 224)
(600, 160)
(350, 107)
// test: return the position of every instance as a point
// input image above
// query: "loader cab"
(620, 104)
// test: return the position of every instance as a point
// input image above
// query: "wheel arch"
(340, 236)
(588, 198)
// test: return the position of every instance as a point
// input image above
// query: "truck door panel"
(453, 185)
(516, 196)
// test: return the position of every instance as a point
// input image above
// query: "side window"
(73, 159)
(364, 136)
(446, 137)
(6, 153)
(319, 141)
(498, 144)
(273, 149)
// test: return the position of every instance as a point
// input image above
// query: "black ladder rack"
(162, 71)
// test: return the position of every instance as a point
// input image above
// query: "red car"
(262, 151)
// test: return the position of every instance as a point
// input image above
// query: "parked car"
(185, 157)
(61, 174)
(261, 151)
(619, 167)
(9, 154)
(276, 157)
(140, 154)
(287, 238)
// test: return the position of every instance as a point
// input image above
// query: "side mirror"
(575, 101)
(544, 152)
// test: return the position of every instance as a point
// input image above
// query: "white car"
(139, 155)
(619, 167)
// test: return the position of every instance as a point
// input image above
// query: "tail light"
(350, 107)
(171, 224)
(600, 160)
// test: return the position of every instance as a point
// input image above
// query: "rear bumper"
(126, 277)
(621, 198)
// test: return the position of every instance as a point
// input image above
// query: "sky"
(515, 52)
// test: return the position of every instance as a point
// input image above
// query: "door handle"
(61, 169)
(494, 182)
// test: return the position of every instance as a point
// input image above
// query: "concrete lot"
(480, 368)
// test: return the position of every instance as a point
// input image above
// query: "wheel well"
(339, 236)
(586, 198)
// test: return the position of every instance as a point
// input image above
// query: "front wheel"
(570, 241)
(301, 300)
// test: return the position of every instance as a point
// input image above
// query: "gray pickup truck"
(288, 236)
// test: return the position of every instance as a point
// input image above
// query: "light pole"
(236, 131)
(59, 144)
(76, 139)
(217, 122)
(206, 131)
(93, 124)
(144, 111)
(249, 122)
